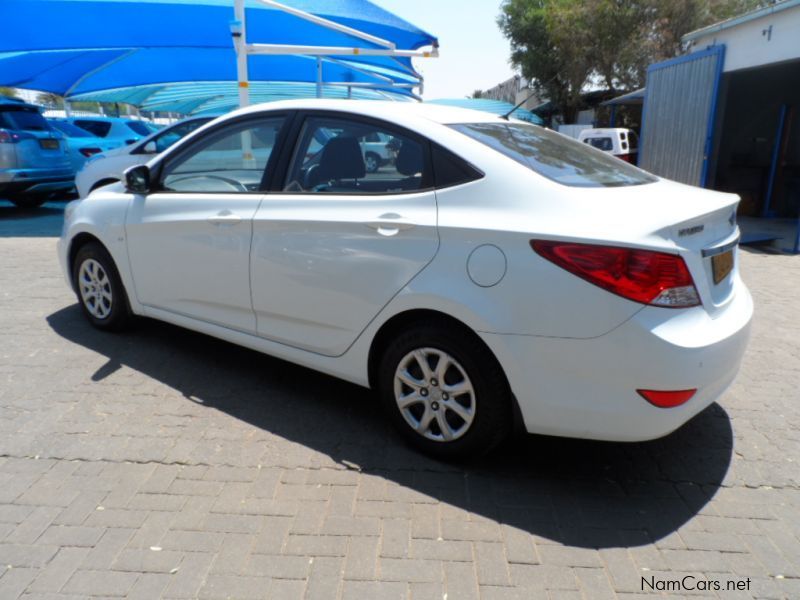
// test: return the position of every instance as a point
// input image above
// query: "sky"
(473, 53)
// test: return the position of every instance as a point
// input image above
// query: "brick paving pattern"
(164, 464)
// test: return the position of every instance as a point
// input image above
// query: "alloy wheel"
(434, 394)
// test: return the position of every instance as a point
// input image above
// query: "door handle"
(225, 217)
(390, 224)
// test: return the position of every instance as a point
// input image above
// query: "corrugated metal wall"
(678, 115)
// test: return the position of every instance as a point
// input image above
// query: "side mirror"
(137, 179)
(150, 148)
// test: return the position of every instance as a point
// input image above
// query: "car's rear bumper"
(18, 181)
(587, 387)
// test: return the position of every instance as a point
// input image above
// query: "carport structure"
(81, 49)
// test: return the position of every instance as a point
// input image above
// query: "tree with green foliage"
(50, 100)
(563, 46)
(8, 92)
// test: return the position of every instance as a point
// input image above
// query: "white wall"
(751, 44)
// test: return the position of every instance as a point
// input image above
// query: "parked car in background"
(108, 167)
(34, 160)
(118, 129)
(379, 150)
(81, 144)
(620, 142)
(497, 273)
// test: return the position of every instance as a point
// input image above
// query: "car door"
(335, 244)
(189, 241)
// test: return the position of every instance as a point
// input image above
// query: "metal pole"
(239, 33)
(67, 108)
(319, 77)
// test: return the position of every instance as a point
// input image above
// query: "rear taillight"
(667, 399)
(628, 158)
(87, 152)
(8, 137)
(643, 276)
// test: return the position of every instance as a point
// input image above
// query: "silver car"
(34, 162)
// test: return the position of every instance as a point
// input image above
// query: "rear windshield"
(21, 118)
(99, 128)
(72, 130)
(139, 127)
(555, 156)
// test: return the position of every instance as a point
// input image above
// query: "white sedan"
(495, 274)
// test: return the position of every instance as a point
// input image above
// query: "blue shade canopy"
(73, 47)
(496, 107)
(219, 97)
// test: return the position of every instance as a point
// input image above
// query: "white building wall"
(772, 38)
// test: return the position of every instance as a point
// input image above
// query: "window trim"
(282, 172)
(179, 150)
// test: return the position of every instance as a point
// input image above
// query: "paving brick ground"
(165, 464)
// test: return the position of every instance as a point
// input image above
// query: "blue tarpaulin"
(74, 47)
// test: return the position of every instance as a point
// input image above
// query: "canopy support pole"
(238, 31)
(67, 108)
(319, 77)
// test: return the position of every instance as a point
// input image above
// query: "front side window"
(228, 161)
(169, 136)
(555, 156)
(340, 156)
(138, 127)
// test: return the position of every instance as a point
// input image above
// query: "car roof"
(7, 101)
(387, 109)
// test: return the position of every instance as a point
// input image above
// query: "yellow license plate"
(722, 265)
(49, 144)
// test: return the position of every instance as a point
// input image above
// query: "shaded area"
(44, 221)
(580, 493)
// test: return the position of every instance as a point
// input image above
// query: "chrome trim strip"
(709, 252)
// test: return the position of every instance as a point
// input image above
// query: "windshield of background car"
(555, 156)
(72, 130)
(21, 118)
(138, 127)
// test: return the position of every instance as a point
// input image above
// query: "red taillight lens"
(640, 275)
(7, 137)
(663, 399)
(87, 152)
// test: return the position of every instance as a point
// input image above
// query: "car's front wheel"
(99, 288)
(445, 392)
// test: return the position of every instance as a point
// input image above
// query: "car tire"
(29, 200)
(99, 288)
(372, 162)
(472, 378)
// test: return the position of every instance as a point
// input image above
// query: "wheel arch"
(408, 318)
(103, 182)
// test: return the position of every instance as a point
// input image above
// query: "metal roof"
(740, 20)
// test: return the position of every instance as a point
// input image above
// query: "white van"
(622, 143)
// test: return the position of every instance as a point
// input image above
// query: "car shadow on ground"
(43, 221)
(579, 493)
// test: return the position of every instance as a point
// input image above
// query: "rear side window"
(601, 143)
(450, 170)
(24, 119)
(99, 128)
(72, 130)
(557, 157)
